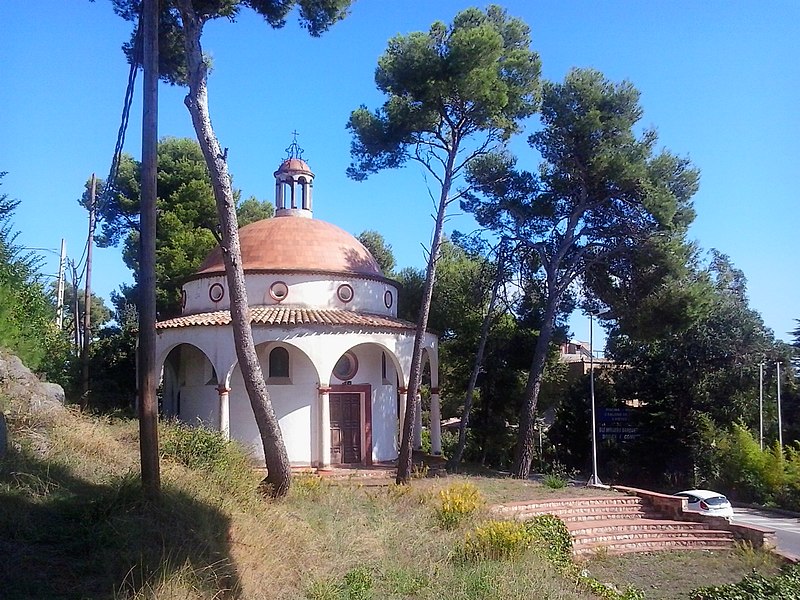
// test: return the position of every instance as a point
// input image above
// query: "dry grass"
(667, 575)
(73, 524)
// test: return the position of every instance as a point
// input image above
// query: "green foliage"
(496, 540)
(785, 586)
(27, 312)
(187, 216)
(477, 75)
(770, 476)
(356, 584)
(380, 250)
(457, 502)
(196, 446)
(316, 16)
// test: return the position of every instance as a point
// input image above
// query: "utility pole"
(761, 404)
(780, 427)
(87, 298)
(62, 263)
(146, 376)
(76, 312)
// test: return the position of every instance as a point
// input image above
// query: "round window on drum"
(346, 367)
(278, 291)
(216, 292)
(345, 292)
(388, 299)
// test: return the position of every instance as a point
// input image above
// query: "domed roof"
(295, 244)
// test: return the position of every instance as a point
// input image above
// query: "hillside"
(74, 524)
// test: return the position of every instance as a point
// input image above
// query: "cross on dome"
(294, 150)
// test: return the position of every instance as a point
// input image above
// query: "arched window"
(279, 363)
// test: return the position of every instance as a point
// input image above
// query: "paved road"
(787, 528)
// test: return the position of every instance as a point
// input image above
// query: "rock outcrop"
(25, 399)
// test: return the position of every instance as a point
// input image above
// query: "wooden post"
(87, 298)
(148, 410)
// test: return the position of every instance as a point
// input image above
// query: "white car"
(707, 502)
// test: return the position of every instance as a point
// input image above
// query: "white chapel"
(335, 357)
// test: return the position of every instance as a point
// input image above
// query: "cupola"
(294, 183)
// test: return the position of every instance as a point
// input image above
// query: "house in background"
(335, 357)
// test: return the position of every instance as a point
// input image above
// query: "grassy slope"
(73, 524)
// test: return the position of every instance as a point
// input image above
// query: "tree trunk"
(523, 453)
(404, 460)
(476, 367)
(278, 477)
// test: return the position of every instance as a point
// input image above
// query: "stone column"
(325, 427)
(436, 423)
(418, 423)
(401, 411)
(224, 411)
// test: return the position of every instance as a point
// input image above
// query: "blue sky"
(719, 80)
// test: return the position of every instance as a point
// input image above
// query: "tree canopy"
(601, 190)
(188, 222)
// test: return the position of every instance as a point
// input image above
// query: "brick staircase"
(618, 525)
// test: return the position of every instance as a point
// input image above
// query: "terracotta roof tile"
(288, 316)
(287, 243)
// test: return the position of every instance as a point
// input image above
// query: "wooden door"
(345, 428)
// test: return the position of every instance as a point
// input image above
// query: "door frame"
(365, 391)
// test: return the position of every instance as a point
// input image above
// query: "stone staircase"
(617, 524)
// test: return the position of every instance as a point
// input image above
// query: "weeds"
(457, 502)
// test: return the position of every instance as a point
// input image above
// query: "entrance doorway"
(351, 425)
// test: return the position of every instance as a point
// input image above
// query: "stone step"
(576, 505)
(655, 544)
(621, 536)
(611, 525)
(582, 513)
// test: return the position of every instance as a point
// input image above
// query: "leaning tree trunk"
(404, 460)
(278, 477)
(523, 454)
(476, 368)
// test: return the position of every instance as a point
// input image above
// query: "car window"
(716, 501)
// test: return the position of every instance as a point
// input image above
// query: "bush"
(496, 540)
(457, 502)
(785, 586)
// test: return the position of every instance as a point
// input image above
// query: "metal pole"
(62, 263)
(780, 427)
(761, 404)
(595, 480)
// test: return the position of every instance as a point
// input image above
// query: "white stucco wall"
(313, 353)
(307, 290)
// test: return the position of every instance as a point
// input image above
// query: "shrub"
(785, 586)
(554, 482)
(552, 538)
(496, 540)
(457, 502)
(196, 446)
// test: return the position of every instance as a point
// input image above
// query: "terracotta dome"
(296, 244)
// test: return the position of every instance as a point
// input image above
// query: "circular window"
(346, 366)
(345, 292)
(216, 292)
(183, 299)
(278, 291)
(388, 299)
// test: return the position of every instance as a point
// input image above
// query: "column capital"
(402, 390)
(323, 389)
(435, 390)
(221, 389)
